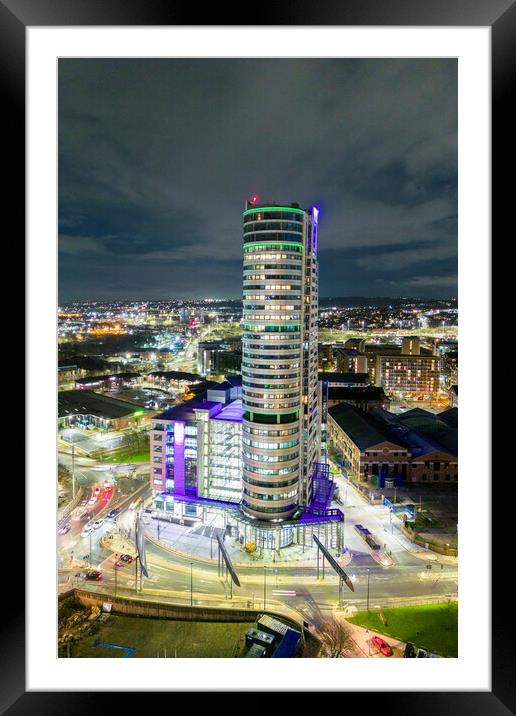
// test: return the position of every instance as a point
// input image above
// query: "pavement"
(363, 640)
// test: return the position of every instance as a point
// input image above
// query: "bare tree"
(336, 638)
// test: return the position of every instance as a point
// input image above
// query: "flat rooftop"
(87, 402)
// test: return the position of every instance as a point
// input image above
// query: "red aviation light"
(254, 199)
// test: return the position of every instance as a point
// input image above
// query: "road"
(171, 576)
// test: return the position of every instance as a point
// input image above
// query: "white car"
(92, 500)
(87, 531)
(98, 524)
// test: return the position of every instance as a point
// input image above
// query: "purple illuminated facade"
(196, 449)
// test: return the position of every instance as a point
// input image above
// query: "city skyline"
(151, 186)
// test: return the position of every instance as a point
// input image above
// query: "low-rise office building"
(109, 381)
(196, 450)
(173, 379)
(219, 357)
(417, 446)
(432, 439)
(84, 408)
(366, 450)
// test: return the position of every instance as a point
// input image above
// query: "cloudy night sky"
(157, 157)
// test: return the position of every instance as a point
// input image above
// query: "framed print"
(242, 426)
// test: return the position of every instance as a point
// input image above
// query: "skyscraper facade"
(280, 389)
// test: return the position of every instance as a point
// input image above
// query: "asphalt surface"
(184, 579)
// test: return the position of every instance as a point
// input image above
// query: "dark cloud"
(156, 158)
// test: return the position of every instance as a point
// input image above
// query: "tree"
(336, 637)
(63, 473)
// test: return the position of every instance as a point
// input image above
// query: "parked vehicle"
(381, 645)
(126, 558)
(94, 575)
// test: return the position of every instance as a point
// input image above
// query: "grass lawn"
(149, 636)
(129, 457)
(429, 626)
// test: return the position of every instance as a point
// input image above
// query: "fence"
(181, 612)
(433, 546)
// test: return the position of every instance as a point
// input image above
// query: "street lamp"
(367, 602)
(191, 584)
(116, 572)
(264, 587)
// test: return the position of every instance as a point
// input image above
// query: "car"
(94, 575)
(119, 563)
(87, 531)
(92, 500)
(108, 486)
(381, 645)
(112, 514)
(134, 504)
(97, 524)
(65, 529)
(126, 558)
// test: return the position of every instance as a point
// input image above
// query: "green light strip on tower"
(257, 411)
(273, 244)
(274, 208)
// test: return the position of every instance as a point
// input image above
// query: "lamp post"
(191, 584)
(367, 602)
(264, 587)
(73, 470)
(116, 571)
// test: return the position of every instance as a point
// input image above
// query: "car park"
(381, 645)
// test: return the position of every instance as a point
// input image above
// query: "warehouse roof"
(421, 430)
(359, 426)
(86, 402)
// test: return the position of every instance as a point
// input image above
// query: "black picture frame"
(500, 15)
